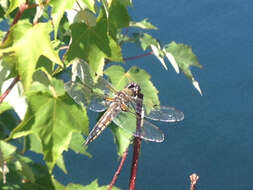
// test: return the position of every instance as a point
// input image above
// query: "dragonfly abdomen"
(103, 122)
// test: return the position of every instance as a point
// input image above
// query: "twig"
(137, 148)
(22, 8)
(64, 47)
(194, 178)
(137, 142)
(138, 56)
(7, 91)
(4, 171)
(116, 175)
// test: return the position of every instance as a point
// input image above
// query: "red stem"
(22, 8)
(137, 148)
(138, 56)
(2, 97)
(137, 141)
(20, 12)
(116, 175)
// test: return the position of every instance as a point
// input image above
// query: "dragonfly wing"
(83, 71)
(165, 114)
(149, 132)
(157, 112)
(85, 96)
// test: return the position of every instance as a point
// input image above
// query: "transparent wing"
(160, 113)
(149, 132)
(82, 70)
(86, 96)
(165, 114)
(85, 91)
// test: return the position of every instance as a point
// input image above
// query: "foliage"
(44, 38)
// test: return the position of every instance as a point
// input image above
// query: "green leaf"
(76, 144)
(86, 16)
(6, 150)
(90, 4)
(126, 2)
(118, 18)
(8, 121)
(90, 44)
(23, 38)
(61, 164)
(4, 107)
(144, 24)
(157, 52)
(93, 186)
(93, 45)
(185, 58)
(52, 117)
(121, 79)
(34, 144)
(26, 169)
(58, 9)
(13, 5)
(121, 139)
(144, 40)
(2, 13)
(58, 185)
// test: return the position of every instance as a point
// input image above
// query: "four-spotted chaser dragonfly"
(120, 106)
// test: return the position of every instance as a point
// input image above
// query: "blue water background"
(215, 140)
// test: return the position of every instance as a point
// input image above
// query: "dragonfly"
(120, 106)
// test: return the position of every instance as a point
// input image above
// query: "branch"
(116, 175)
(194, 178)
(22, 8)
(2, 97)
(137, 141)
(138, 56)
(137, 148)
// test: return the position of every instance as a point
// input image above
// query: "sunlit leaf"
(4, 107)
(157, 53)
(53, 118)
(13, 5)
(105, 5)
(6, 150)
(144, 24)
(23, 38)
(93, 45)
(144, 40)
(33, 143)
(58, 9)
(90, 4)
(172, 60)
(76, 144)
(185, 58)
(121, 139)
(118, 18)
(58, 185)
(61, 164)
(86, 16)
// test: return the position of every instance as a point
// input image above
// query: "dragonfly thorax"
(134, 89)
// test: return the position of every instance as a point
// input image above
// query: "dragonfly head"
(134, 87)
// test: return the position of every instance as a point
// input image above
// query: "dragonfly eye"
(134, 87)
